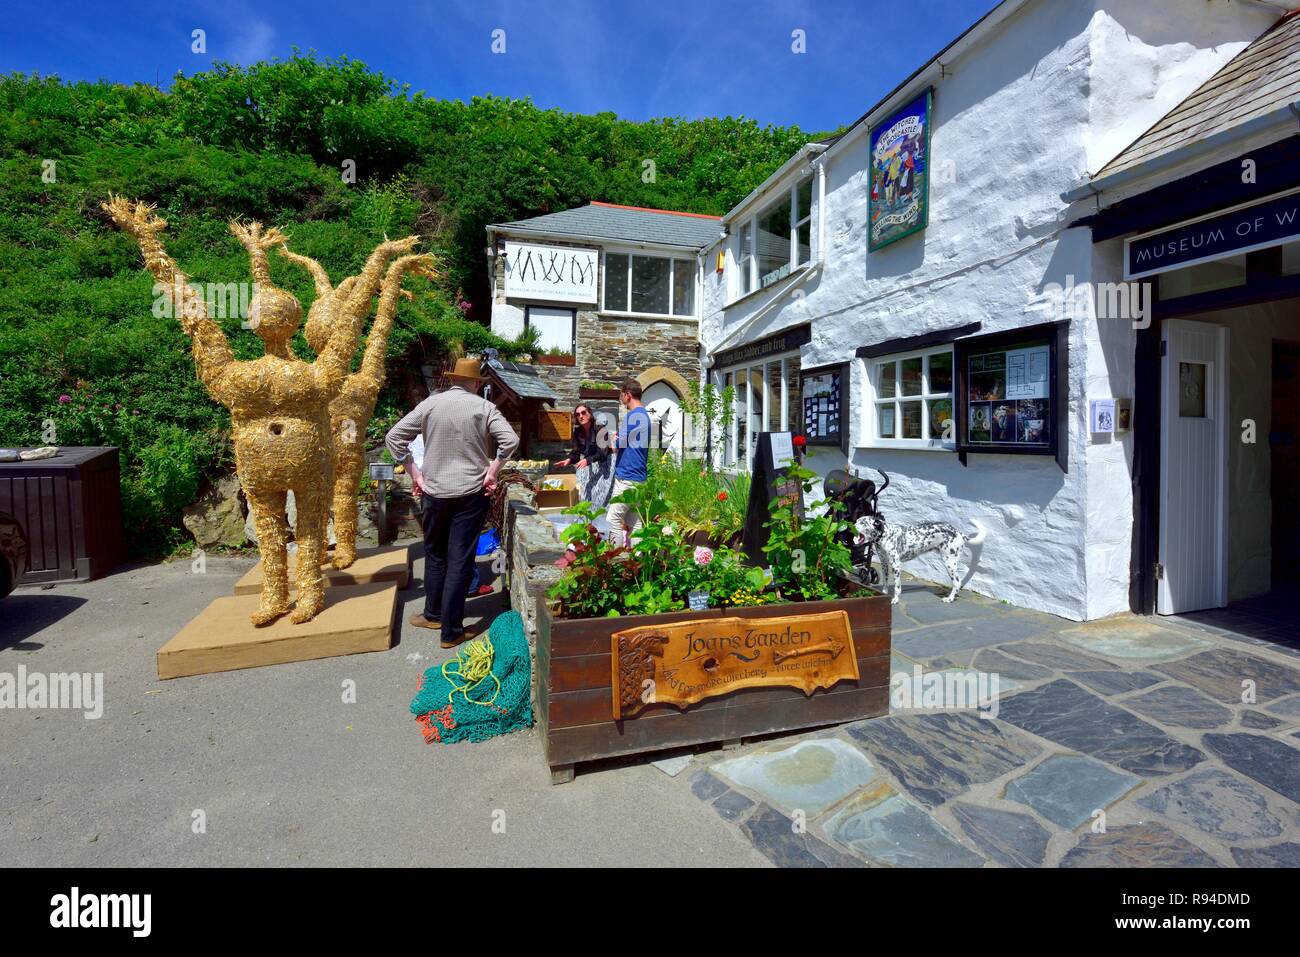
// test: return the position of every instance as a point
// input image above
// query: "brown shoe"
(419, 621)
(466, 635)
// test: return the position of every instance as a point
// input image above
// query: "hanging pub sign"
(550, 273)
(898, 202)
(1217, 236)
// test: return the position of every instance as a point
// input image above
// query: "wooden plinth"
(388, 564)
(356, 618)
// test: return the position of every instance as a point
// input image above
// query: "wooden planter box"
(555, 360)
(585, 392)
(574, 687)
(70, 506)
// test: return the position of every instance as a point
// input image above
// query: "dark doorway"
(1284, 449)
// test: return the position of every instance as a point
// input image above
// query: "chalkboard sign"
(767, 484)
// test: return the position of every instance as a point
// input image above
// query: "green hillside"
(84, 359)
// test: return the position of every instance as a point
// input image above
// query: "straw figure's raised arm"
(373, 359)
(318, 274)
(212, 353)
(335, 360)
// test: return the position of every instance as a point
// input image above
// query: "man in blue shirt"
(633, 449)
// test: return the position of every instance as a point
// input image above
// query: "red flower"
(722, 496)
(800, 441)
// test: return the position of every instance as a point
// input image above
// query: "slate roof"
(627, 223)
(523, 380)
(1259, 79)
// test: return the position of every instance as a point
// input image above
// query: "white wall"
(1017, 121)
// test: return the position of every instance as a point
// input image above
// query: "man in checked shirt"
(466, 440)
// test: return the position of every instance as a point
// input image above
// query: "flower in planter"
(669, 531)
(800, 441)
(703, 555)
(64, 399)
(722, 496)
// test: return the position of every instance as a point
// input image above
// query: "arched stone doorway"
(662, 391)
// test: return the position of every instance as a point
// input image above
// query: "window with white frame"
(649, 285)
(556, 328)
(910, 400)
(777, 240)
(765, 399)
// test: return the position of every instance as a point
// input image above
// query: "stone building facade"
(554, 272)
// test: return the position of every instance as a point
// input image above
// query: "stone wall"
(532, 546)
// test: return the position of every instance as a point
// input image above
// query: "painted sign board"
(1241, 229)
(898, 202)
(688, 661)
(550, 273)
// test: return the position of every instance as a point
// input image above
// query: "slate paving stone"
(1180, 706)
(1216, 803)
(930, 610)
(705, 786)
(1077, 719)
(809, 776)
(1221, 671)
(997, 663)
(732, 805)
(774, 835)
(1258, 720)
(1116, 682)
(1008, 837)
(1272, 763)
(946, 639)
(886, 828)
(1136, 845)
(1287, 707)
(1057, 656)
(939, 756)
(1276, 855)
(1141, 638)
(1067, 788)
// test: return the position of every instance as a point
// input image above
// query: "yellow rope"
(473, 665)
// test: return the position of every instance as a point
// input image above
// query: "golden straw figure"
(351, 410)
(279, 405)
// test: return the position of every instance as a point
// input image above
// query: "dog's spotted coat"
(905, 542)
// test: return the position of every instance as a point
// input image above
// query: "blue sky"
(636, 58)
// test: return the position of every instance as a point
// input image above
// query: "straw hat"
(465, 370)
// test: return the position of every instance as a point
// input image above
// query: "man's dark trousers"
(451, 530)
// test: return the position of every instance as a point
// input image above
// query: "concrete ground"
(285, 772)
(1117, 743)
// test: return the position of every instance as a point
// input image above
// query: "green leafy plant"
(806, 558)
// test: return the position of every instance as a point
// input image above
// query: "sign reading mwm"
(1218, 236)
(550, 273)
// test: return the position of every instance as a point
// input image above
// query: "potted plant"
(620, 608)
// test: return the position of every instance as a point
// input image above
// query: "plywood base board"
(356, 618)
(392, 563)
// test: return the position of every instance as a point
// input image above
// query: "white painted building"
(966, 320)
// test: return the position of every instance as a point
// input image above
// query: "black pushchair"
(858, 496)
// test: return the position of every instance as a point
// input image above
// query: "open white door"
(1193, 467)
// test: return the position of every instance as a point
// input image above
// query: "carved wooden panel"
(687, 661)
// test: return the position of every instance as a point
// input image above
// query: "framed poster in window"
(1008, 391)
(824, 404)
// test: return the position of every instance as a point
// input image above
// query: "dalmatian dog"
(905, 542)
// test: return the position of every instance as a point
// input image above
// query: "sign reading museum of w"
(1239, 230)
(550, 273)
